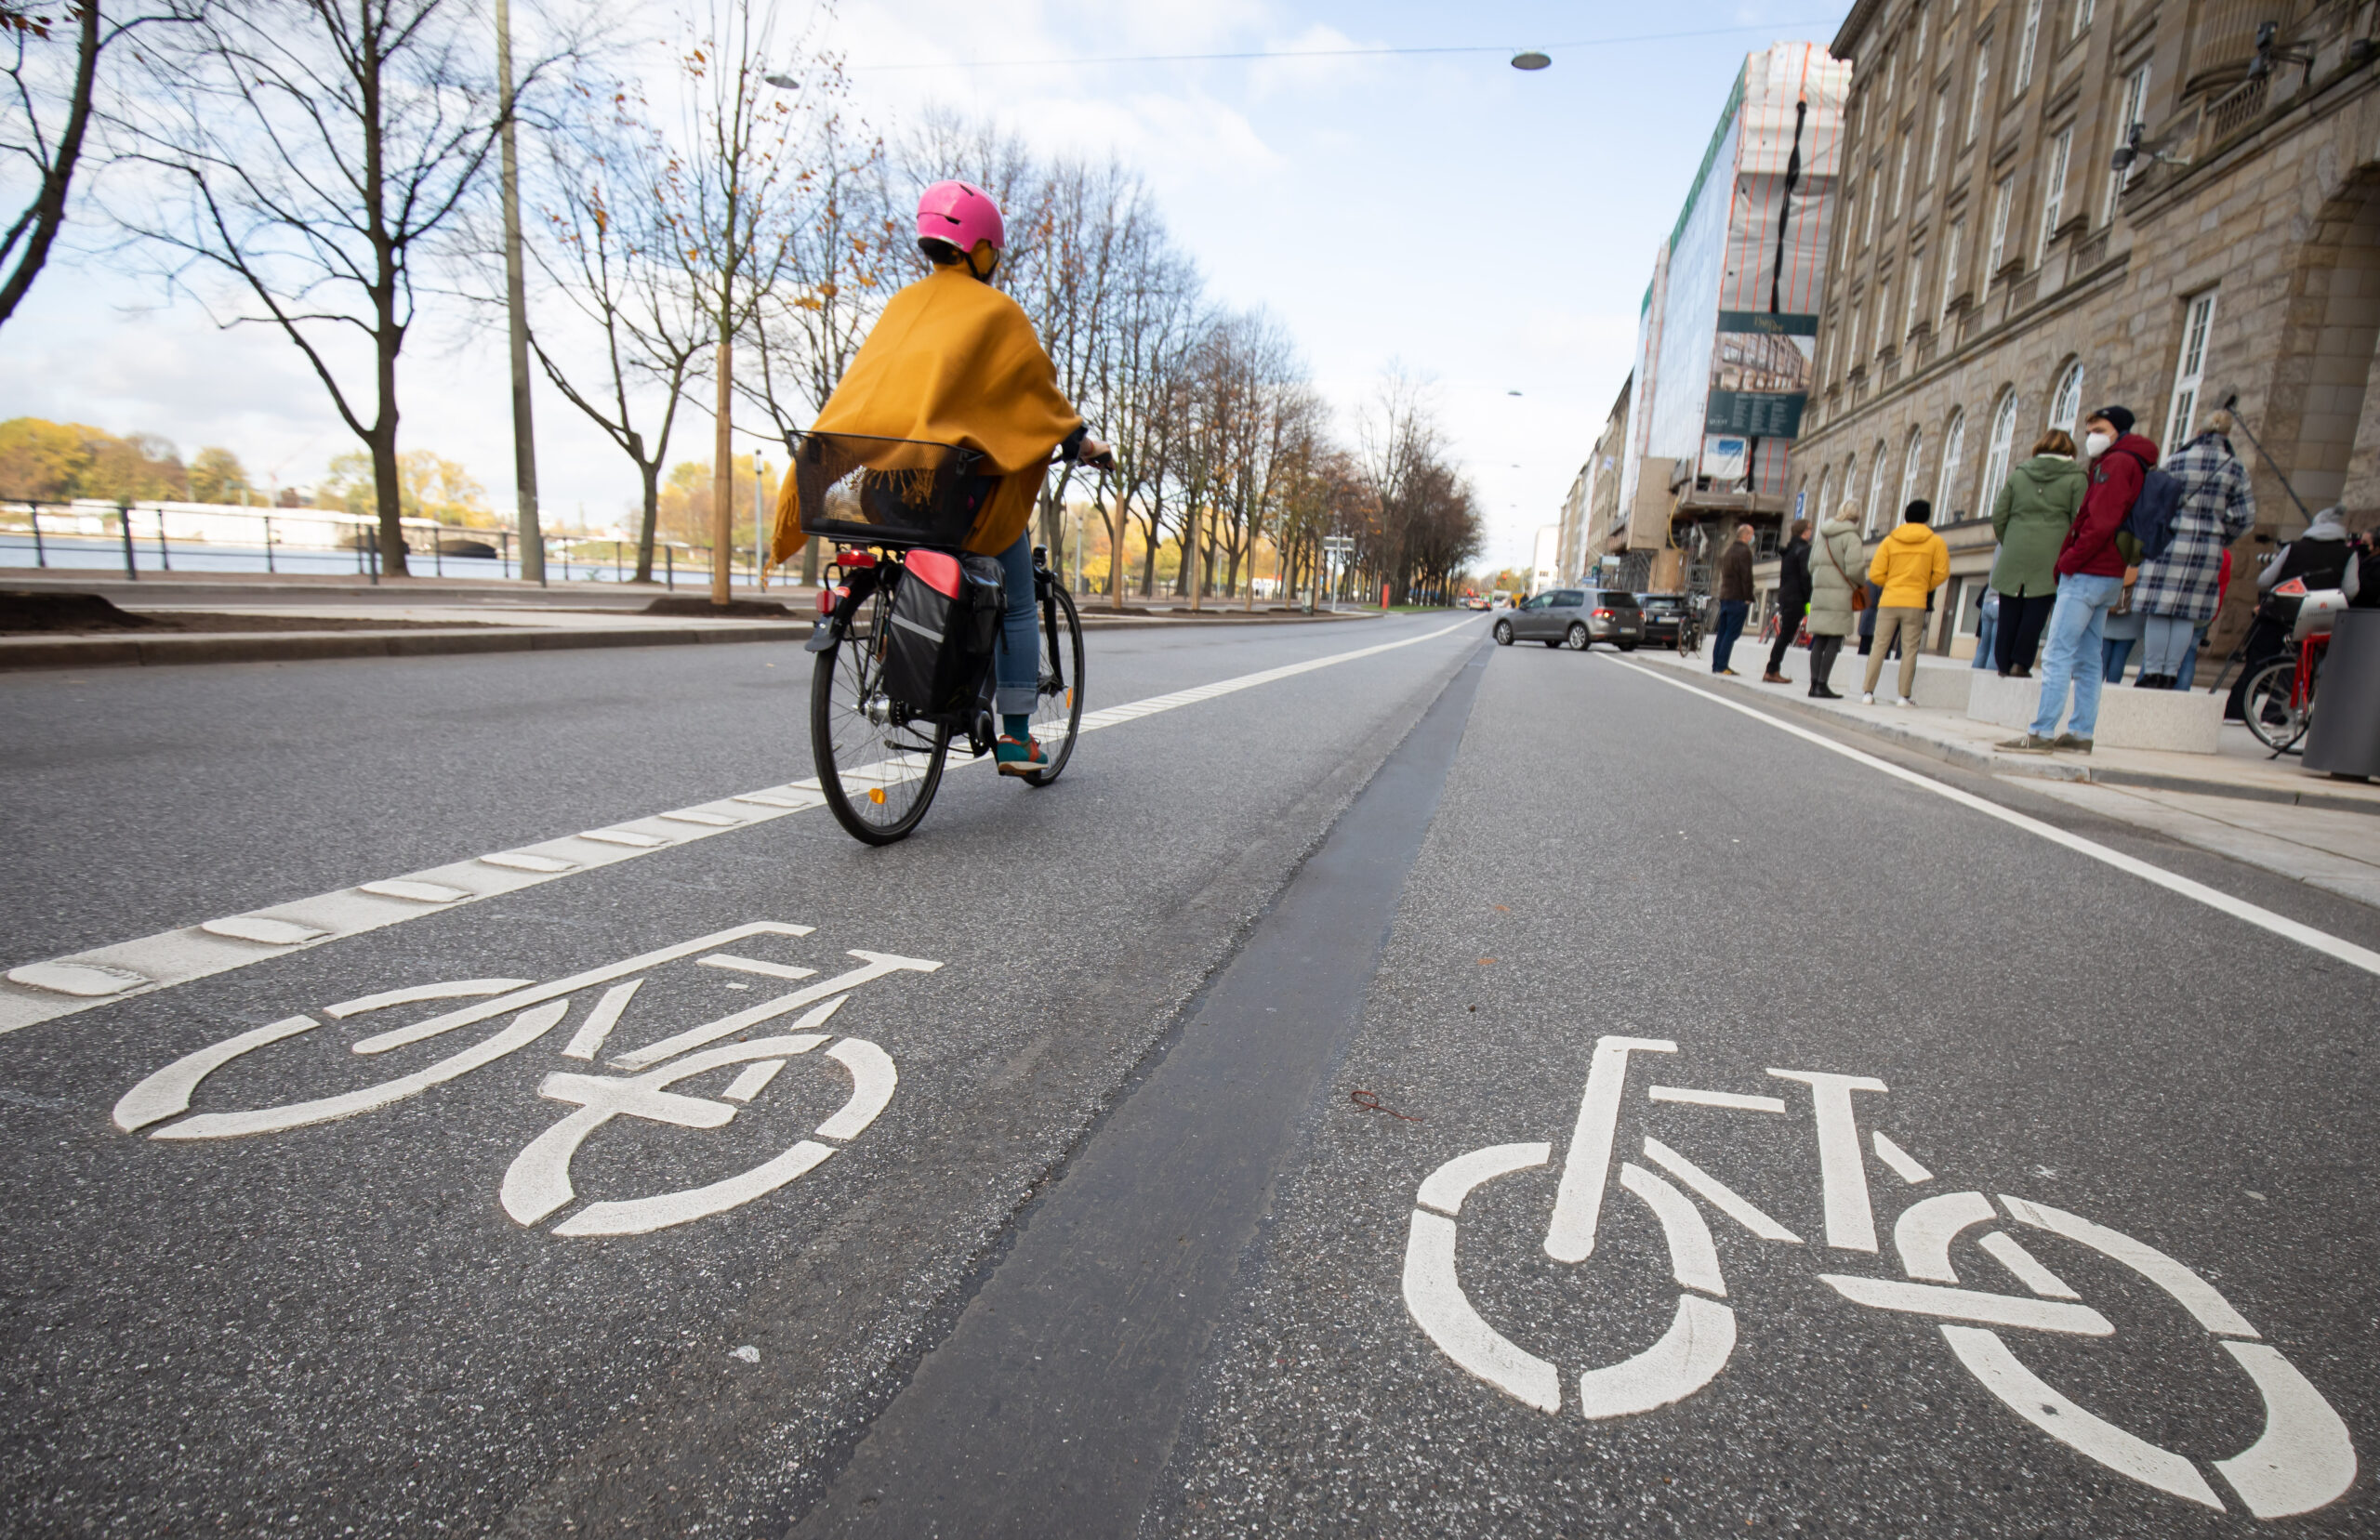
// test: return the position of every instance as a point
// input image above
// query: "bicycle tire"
(849, 745)
(1057, 710)
(2265, 705)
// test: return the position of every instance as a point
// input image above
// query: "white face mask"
(2096, 445)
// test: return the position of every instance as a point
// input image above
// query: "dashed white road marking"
(2240, 909)
(42, 991)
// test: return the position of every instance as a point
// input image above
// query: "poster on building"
(1760, 374)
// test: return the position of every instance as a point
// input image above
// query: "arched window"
(1877, 470)
(2002, 442)
(1945, 485)
(1913, 460)
(1818, 513)
(1850, 483)
(2065, 402)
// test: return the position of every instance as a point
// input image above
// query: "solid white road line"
(2240, 909)
(42, 991)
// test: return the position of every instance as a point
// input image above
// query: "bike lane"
(574, 1283)
(1738, 1139)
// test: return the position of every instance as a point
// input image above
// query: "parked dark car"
(1666, 616)
(1576, 618)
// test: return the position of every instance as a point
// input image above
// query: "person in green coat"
(1837, 561)
(2030, 519)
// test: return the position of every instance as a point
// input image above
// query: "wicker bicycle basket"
(886, 492)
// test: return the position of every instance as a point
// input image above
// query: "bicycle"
(2278, 701)
(880, 759)
(2305, 1458)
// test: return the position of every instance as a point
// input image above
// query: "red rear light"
(1603, 614)
(854, 559)
(830, 595)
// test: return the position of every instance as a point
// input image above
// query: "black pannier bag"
(945, 621)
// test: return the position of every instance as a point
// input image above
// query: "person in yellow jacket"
(954, 361)
(1909, 564)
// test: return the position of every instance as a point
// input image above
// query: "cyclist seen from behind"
(954, 361)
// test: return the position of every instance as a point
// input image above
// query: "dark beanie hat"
(1919, 512)
(2121, 416)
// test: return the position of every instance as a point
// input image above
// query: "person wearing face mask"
(2090, 570)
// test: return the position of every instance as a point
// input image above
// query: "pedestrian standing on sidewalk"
(2322, 558)
(1735, 599)
(1910, 564)
(1831, 562)
(1987, 626)
(2090, 573)
(1792, 598)
(2029, 519)
(2179, 586)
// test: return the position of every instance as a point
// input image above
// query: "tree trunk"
(723, 476)
(387, 495)
(650, 522)
(1193, 568)
(1117, 526)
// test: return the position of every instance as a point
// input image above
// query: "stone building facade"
(1995, 275)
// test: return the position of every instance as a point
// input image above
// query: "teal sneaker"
(1019, 757)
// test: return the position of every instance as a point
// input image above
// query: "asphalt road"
(1459, 869)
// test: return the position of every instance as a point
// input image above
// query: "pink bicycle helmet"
(959, 214)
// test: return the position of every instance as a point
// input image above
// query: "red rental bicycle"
(880, 728)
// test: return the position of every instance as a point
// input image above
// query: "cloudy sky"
(1491, 230)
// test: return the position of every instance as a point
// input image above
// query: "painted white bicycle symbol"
(2303, 1460)
(537, 1183)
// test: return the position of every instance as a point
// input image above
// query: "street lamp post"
(525, 438)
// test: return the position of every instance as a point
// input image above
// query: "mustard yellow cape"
(951, 360)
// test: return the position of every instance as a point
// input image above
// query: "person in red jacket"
(2090, 580)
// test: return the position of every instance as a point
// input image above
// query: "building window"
(1892, 74)
(2003, 443)
(1946, 484)
(2189, 369)
(2054, 195)
(1913, 460)
(1900, 180)
(1867, 231)
(1934, 149)
(1922, 19)
(2135, 102)
(1818, 513)
(2082, 18)
(1851, 353)
(1997, 251)
(2065, 402)
(1982, 80)
(1884, 338)
(1875, 489)
(1951, 269)
(2026, 41)
(1916, 293)
(1851, 487)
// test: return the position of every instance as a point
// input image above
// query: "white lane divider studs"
(414, 892)
(2304, 1459)
(709, 820)
(89, 980)
(522, 860)
(624, 836)
(537, 1183)
(263, 930)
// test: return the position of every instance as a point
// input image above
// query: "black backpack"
(2152, 516)
(945, 621)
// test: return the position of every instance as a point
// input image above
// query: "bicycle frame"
(2309, 657)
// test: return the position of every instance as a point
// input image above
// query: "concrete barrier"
(2181, 722)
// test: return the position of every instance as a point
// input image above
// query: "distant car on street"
(1576, 618)
(1670, 619)
(1499, 599)
(1473, 602)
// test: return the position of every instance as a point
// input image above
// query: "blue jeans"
(1019, 668)
(1987, 634)
(2076, 630)
(2189, 660)
(2166, 641)
(2114, 652)
(1731, 625)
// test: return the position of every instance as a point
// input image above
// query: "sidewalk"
(2238, 802)
(423, 617)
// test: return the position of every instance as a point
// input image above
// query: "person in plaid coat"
(2178, 591)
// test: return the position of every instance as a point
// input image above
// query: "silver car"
(1576, 618)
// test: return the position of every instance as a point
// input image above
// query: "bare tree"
(46, 115)
(732, 197)
(312, 151)
(605, 249)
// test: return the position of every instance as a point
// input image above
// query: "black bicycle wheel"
(1057, 710)
(2265, 704)
(879, 776)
